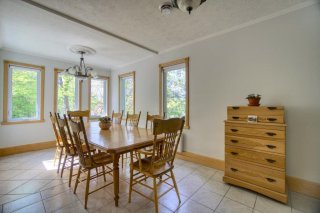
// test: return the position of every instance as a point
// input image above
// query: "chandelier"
(81, 71)
(183, 5)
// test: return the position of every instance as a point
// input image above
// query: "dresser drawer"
(247, 110)
(236, 153)
(258, 175)
(261, 118)
(256, 144)
(255, 131)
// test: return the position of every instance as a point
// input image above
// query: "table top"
(118, 139)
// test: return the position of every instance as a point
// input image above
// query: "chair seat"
(146, 167)
(73, 151)
(99, 159)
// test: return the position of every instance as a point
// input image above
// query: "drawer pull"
(234, 141)
(271, 119)
(235, 117)
(271, 180)
(271, 146)
(234, 170)
(234, 130)
(234, 153)
(271, 133)
(272, 108)
(270, 160)
(235, 107)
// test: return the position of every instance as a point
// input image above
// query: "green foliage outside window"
(66, 99)
(175, 93)
(98, 88)
(129, 95)
(24, 93)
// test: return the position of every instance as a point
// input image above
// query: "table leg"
(116, 178)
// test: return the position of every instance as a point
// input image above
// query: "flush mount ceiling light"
(81, 71)
(183, 5)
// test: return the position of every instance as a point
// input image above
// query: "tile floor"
(29, 183)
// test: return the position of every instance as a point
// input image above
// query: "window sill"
(22, 122)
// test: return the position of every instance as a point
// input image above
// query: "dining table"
(118, 140)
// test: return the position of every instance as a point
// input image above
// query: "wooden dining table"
(118, 140)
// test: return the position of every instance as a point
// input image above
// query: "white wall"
(14, 135)
(278, 58)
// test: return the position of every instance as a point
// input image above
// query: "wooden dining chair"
(76, 114)
(116, 117)
(59, 143)
(133, 119)
(150, 118)
(167, 134)
(88, 160)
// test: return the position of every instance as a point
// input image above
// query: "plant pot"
(254, 101)
(104, 125)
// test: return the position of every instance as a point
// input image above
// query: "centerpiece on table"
(105, 122)
(254, 99)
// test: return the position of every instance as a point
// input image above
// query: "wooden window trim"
(55, 90)
(128, 74)
(108, 92)
(6, 89)
(161, 69)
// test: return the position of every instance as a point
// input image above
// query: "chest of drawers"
(255, 151)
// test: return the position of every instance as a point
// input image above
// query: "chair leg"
(55, 156)
(87, 189)
(104, 173)
(71, 170)
(64, 164)
(122, 156)
(175, 185)
(77, 180)
(155, 194)
(131, 182)
(59, 162)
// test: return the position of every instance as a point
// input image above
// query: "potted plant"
(105, 122)
(254, 99)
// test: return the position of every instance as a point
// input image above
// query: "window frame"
(55, 90)
(105, 78)
(162, 66)
(6, 84)
(124, 75)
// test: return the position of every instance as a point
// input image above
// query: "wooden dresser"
(255, 151)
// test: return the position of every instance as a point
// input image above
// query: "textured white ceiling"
(26, 28)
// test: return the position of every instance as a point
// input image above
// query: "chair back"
(165, 151)
(77, 114)
(117, 117)
(65, 134)
(79, 131)
(150, 118)
(133, 119)
(55, 130)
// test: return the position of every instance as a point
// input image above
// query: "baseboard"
(26, 148)
(200, 159)
(302, 186)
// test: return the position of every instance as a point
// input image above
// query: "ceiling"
(29, 29)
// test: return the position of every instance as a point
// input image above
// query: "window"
(174, 89)
(67, 92)
(99, 97)
(23, 93)
(127, 92)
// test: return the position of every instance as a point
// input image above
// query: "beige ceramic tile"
(230, 206)
(150, 208)
(8, 174)
(21, 203)
(267, 205)
(243, 196)
(218, 176)
(193, 207)
(75, 207)
(7, 186)
(57, 202)
(171, 201)
(207, 198)
(26, 174)
(36, 207)
(31, 186)
(217, 187)
(9, 198)
(54, 191)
